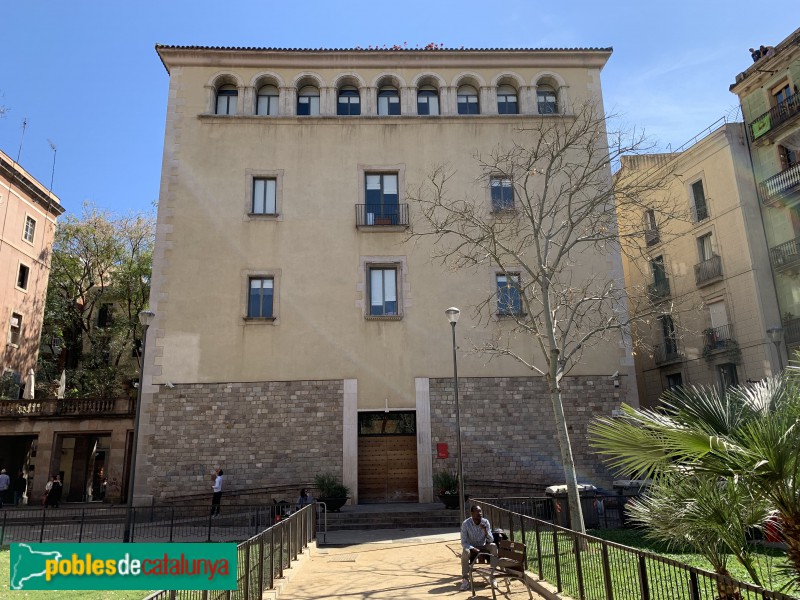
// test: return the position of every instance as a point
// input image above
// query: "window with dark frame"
(705, 249)
(382, 199)
(674, 381)
(502, 192)
(509, 297)
(669, 335)
(349, 102)
(260, 298)
(467, 100)
(428, 100)
(383, 291)
(546, 100)
(22, 276)
(105, 316)
(700, 207)
(507, 100)
(227, 96)
(264, 196)
(267, 100)
(388, 101)
(308, 101)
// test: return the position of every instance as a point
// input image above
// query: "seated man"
(476, 537)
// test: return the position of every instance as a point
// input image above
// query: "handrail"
(781, 183)
(777, 115)
(708, 269)
(785, 254)
(381, 215)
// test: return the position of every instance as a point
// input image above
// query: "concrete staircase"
(390, 516)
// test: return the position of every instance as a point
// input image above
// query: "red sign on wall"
(441, 451)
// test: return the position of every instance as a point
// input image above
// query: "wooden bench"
(512, 557)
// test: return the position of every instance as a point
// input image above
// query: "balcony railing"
(791, 331)
(786, 255)
(67, 407)
(708, 270)
(776, 115)
(658, 290)
(785, 182)
(651, 237)
(368, 215)
(717, 338)
(666, 353)
(700, 213)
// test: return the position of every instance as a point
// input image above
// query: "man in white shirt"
(476, 537)
(5, 483)
(217, 489)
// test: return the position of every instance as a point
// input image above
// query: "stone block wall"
(508, 431)
(261, 434)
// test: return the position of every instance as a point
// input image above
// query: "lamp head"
(452, 314)
(775, 334)
(146, 317)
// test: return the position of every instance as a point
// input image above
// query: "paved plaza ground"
(412, 564)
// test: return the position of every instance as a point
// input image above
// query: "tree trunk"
(573, 498)
(790, 529)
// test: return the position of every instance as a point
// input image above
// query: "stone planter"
(449, 500)
(333, 504)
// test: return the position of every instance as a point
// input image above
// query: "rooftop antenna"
(21, 137)
(53, 171)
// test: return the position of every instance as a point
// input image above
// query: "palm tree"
(749, 435)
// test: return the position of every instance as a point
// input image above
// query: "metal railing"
(791, 331)
(773, 188)
(586, 567)
(717, 338)
(658, 290)
(708, 270)
(651, 237)
(157, 523)
(52, 407)
(700, 213)
(785, 255)
(368, 215)
(261, 560)
(778, 114)
(667, 352)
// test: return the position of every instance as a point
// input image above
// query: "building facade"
(705, 269)
(768, 92)
(297, 329)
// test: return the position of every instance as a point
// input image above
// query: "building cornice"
(198, 56)
(34, 190)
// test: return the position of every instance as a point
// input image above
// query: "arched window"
(427, 100)
(349, 101)
(308, 101)
(546, 99)
(468, 100)
(267, 101)
(507, 100)
(388, 101)
(226, 99)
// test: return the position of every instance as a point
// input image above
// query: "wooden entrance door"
(387, 458)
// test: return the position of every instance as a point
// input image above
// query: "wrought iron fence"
(658, 290)
(717, 338)
(786, 254)
(368, 215)
(708, 270)
(589, 568)
(775, 116)
(261, 559)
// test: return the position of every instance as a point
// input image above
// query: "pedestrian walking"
(5, 483)
(217, 493)
(20, 485)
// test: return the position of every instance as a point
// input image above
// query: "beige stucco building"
(705, 269)
(768, 92)
(297, 330)
(28, 211)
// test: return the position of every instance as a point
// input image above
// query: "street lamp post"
(145, 318)
(776, 335)
(452, 316)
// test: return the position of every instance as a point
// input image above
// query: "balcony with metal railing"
(651, 237)
(708, 271)
(786, 256)
(718, 338)
(780, 186)
(781, 113)
(379, 216)
(667, 353)
(700, 213)
(658, 290)
(791, 331)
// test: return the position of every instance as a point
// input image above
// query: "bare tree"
(562, 216)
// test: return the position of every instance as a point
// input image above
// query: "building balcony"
(67, 407)
(763, 126)
(382, 216)
(708, 271)
(666, 353)
(651, 237)
(700, 213)
(781, 185)
(658, 290)
(786, 257)
(791, 332)
(718, 338)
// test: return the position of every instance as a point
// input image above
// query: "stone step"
(391, 520)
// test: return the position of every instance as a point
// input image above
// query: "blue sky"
(85, 74)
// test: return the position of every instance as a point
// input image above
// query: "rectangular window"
(22, 277)
(308, 106)
(727, 376)
(389, 105)
(669, 334)
(15, 331)
(383, 291)
(704, 248)
(659, 272)
(260, 298)
(106, 315)
(468, 105)
(650, 228)
(267, 105)
(700, 208)
(509, 300)
(263, 196)
(30, 229)
(674, 381)
(382, 199)
(428, 104)
(502, 194)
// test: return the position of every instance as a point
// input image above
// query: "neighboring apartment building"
(297, 331)
(768, 92)
(28, 211)
(707, 269)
